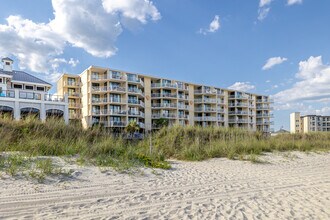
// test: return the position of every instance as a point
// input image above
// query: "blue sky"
(273, 47)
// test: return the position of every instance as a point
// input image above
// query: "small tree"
(132, 127)
(161, 122)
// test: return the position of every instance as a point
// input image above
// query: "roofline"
(145, 75)
(7, 58)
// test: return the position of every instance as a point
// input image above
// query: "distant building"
(308, 123)
(22, 94)
(281, 131)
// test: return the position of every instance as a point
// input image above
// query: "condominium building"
(22, 94)
(113, 98)
(70, 85)
(308, 123)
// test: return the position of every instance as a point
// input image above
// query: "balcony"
(164, 95)
(206, 118)
(164, 105)
(74, 105)
(205, 109)
(117, 89)
(265, 122)
(135, 80)
(237, 96)
(265, 115)
(103, 112)
(116, 76)
(265, 100)
(221, 111)
(185, 97)
(136, 113)
(164, 85)
(74, 94)
(238, 121)
(157, 116)
(182, 116)
(221, 119)
(183, 106)
(239, 104)
(135, 91)
(72, 84)
(182, 87)
(237, 113)
(264, 107)
(205, 100)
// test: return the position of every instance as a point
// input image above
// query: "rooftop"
(23, 77)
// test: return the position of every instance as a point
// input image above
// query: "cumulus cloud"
(293, 2)
(93, 26)
(214, 26)
(134, 9)
(273, 61)
(242, 86)
(264, 3)
(264, 8)
(312, 86)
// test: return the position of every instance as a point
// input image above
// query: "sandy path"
(284, 188)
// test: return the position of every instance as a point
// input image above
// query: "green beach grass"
(98, 147)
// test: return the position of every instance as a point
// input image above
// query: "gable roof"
(7, 58)
(23, 77)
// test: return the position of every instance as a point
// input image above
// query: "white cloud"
(264, 3)
(312, 86)
(292, 2)
(262, 13)
(264, 8)
(271, 62)
(93, 26)
(134, 9)
(213, 26)
(242, 86)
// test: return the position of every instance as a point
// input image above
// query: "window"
(17, 86)
(7, 63)
(40, 88)
(29, 87)
(0, 80)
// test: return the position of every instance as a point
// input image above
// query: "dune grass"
(98, 147)
(197, 143)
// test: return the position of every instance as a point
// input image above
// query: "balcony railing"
(135, 90)
(238, 121)
(205, 100)
(238, 104)
(164, 85)
(164, 105)
(205, 109)
(237, 113)
(136, 113)
(164, 116)
(205, 118)
(265, 115)
(164, 95)
(75, 105)
(183, 106)
(238, 96)
(68, 83)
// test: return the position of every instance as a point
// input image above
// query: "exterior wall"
(151, 98)
(295, 123)
(147, 112)
(41, 101)
(309, 123)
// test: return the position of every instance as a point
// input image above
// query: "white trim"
(32, 83)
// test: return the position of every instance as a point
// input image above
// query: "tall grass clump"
(95, 145)
(199, 143)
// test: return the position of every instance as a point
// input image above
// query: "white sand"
(294, 187)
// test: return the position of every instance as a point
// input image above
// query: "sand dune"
(286, 187)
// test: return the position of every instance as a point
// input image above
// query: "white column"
(17, 110)
(66, 109)
(42, 108)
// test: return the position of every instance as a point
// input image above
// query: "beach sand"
(287, 186)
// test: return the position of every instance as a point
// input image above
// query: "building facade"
(22, 94)
(70, 86)
(113, 98)
(308, 123)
